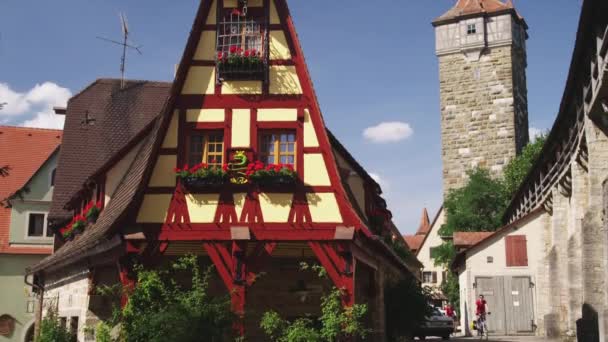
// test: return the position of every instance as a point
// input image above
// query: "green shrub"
(406, 304)
(103, 333)
(52, 331)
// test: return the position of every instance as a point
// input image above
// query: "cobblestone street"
(497, 339)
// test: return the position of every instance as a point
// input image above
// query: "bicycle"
(482, 327)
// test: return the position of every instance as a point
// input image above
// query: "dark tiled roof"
(120, 115)
(474, 7)
(125, 196)
(425, 223)
(414, 242)
(468, 239)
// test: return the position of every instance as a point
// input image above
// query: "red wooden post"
(127, 280)
(340, 266)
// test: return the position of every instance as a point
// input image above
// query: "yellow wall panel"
(278, 114)
(241, 128)
(200, 80)
(163, 174)
(202, 207)
(315, 170)
(154, 208)
(239, 203)
(205, 50)
(284, 80)
(276, 207)
(324, 208)
(279, 49)
(310, 135)
(171, 136)
(205, 115)
(274, 15)
(241, 87)
(212, 18)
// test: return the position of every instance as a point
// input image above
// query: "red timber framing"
(236, 267)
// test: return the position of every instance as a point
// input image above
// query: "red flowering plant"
(76, 226)
(240, 58)
(259, 173)
(202, 174)
(92, 210)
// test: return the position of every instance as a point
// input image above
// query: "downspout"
(38, 315)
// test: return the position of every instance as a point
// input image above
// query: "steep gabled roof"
(24, 151)
(414, 242)
(468, 239)
(466, 8)
(119, 114)
(425, 224)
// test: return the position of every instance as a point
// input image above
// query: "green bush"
(52, 331)
(161, 310)
(103, 333)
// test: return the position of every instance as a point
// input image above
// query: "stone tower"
(481, 46)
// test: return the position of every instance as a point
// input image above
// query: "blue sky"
(372, 62)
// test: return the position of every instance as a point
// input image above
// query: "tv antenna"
(125, 45)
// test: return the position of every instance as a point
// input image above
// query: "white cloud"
(535, 133)
(388, 132)
(33, 108)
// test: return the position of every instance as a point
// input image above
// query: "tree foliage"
(516, 171)
(451, 289)
(476, 207)
(406, 304)
(52, 331)
(160, 309)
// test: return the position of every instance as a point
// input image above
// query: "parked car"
(437, 324)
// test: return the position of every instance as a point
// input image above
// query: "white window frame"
(45, 227)
(471, 29)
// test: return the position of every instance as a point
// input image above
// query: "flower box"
(202, 176)
(240, 65)
(92, 211)
(272, 174)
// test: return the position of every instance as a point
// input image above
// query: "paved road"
(496, 339)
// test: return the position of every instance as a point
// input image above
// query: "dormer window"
(242, 46)
(471, 29)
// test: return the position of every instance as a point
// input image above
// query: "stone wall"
(484, 111)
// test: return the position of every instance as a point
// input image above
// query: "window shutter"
(516, 250)
(434, 277)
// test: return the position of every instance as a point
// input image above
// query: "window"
(429, 277)
(471, 29)
(206, 148)
(278, 148)
(490, 260)
(74, 325)
(516, 250)
(53, 177)
(35, 226)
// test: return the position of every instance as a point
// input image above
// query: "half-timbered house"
(231, 162)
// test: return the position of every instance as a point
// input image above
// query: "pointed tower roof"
(425, 223)
(475, 7)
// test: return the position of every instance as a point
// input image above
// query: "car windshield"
(436, 312)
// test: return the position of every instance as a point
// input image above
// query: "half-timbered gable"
(240, 170)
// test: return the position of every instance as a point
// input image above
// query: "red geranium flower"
(247, 52)
(225, 167)
(236, 11)
(278, 168)
(220, 55)
(177, 169)
(233, 49)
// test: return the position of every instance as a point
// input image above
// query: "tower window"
(471, 29)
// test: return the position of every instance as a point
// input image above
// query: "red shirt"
(481, 306)
(449, 311)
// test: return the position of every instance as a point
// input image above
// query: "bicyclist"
(482, 307)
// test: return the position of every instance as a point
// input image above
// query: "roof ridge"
(30, 128)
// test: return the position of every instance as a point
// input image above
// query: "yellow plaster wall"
(278, 114)
(205, 115)
(154, 208)
(241, 87)
(211, 19)
(163, 174)
(279, 49)
(284, 80)
(241, 128)
(202, 207)
(205, 50)
(274, 15)
(315, 170)
(324, 208)
(200, 80)
(239, 203)
(276, 207)
(310, 136)
(171, 135)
